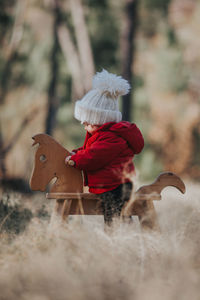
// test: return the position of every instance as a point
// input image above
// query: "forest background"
(49, 52)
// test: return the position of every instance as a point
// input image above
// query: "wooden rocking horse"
(68, 188)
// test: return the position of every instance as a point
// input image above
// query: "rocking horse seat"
(86, 196)
(71, 196)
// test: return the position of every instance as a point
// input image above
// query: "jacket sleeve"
(88, 135)
(99, 154)
(76, 150)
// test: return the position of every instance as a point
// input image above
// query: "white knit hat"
(100, 104)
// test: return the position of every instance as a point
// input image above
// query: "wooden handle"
(163, 180)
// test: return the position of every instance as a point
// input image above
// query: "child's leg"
(113, 201)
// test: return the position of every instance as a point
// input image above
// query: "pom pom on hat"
(111, 85)
(100, 104)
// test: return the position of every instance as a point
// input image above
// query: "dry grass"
(81, 261)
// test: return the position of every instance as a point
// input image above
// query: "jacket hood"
(129, 132)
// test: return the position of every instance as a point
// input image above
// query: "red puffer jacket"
(106, 156)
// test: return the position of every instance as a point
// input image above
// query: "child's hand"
(68, 161)
(69, 157)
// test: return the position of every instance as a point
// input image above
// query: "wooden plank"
(71, 196)
(146, 197)
(137, 197)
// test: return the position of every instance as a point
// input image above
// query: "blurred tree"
(10, 37)
(2, 158)
(76, 47)
(104, 21)
(17, 79)
(72, 60)
(5, 149)
(158, 5)
(127, 52)
(167, 59)
(53, 102)
(83, 42)
(9, 41)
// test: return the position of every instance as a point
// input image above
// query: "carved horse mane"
(50, 163)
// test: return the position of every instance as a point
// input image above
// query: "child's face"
(90, 128)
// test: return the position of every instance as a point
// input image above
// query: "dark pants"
(112, 202)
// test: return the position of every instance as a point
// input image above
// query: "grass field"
(80, 261)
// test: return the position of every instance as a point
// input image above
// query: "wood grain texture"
(140, 197)
(50, 163)
(163, 180)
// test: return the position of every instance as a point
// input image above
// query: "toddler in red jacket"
(110, 144)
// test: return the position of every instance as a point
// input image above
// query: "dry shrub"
(81, 261)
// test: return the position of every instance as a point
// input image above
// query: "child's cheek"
(89, 129)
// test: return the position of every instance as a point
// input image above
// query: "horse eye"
(42, 158)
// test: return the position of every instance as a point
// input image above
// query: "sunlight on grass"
(81, 261)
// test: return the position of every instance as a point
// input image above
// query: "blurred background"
(50, 50)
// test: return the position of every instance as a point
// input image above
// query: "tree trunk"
(127, 52)
(54, 70)
(9, 49)
(83, 42)
(5, 149)
(72, 59)
(2, 159)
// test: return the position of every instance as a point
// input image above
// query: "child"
(110, 144)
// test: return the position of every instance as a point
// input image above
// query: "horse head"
(50, 163)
